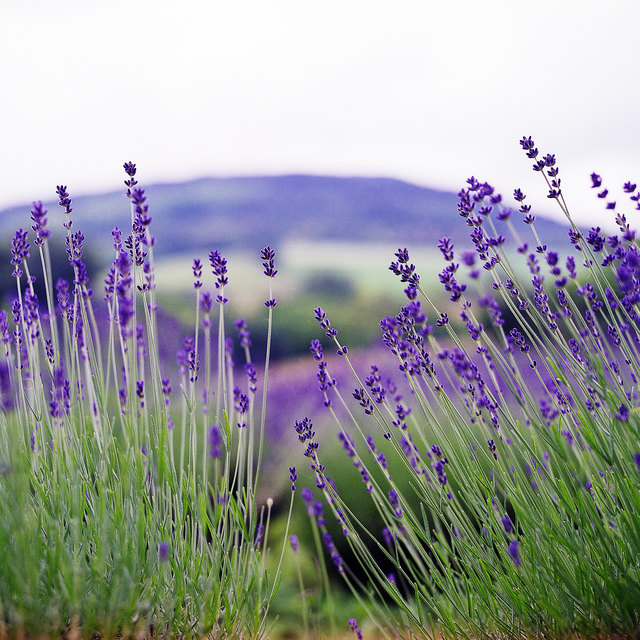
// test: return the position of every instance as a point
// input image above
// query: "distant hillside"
(250, 212)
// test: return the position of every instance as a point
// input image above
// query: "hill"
(250, 212)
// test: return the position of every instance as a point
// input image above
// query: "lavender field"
(439, 439)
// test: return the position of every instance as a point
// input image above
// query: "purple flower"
(468, 258)
(307, 497)
(130, 170)
(325, 323)
(215, 441)
(166, 390)
(394, 501)
(623, 413)
(514, 552)
(19, 250)
(293, 476)
(268, 256)
(252, 375)
(317, 511)
(197, 273)
(636, 459)
(243, 332)
(353, 625)
(388, 537)
(305, 432)
(64, 201)
(405, 270)
(294, 543)
(142, 218)
(506, 523)
(219, 269)
(336, 558)
(363, 400)
(446, 248)
(206, 303)
(528, 145)
(163, 552)
(39, 217)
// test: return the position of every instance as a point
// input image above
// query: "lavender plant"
(113, 521)
(519, 434)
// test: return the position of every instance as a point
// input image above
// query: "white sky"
(427, 91)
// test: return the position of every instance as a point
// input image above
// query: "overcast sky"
(427, 91)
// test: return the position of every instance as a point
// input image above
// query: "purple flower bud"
(506, 523)
(130, 169)
(163, 552)
(64, 200)
(353, 625)
(197, 273)
(514, 552)
(293, 476)
(623, 413)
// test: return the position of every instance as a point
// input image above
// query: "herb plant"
(114, 519)
(519, 431)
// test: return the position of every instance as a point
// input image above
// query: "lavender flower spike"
(353, 625)
(215, 441)
(163, 552)
(514, 552)
(39, 217)
(19, 251)
(268, 256)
